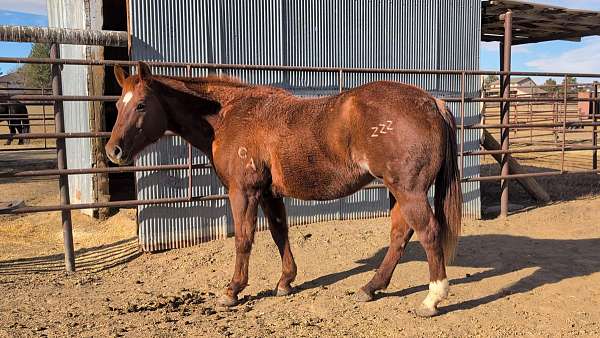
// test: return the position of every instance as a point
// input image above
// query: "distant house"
(519, 86)
(12, 80)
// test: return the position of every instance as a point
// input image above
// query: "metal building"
(409, 34)
(80, 80)
(90, 80)
(413, 34)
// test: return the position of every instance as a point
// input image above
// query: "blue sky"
(17, 49)
(555, 56)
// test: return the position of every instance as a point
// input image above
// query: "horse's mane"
(220, 80)
(214, 80)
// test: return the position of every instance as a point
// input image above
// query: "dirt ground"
(536, 273)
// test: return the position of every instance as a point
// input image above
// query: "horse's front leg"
(244, 206)
(274, 210)
(13, 132)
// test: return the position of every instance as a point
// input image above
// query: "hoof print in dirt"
(424, 312)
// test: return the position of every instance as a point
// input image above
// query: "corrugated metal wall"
(419, 34)
(72, 14)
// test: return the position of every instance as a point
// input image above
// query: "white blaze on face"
(127, 97)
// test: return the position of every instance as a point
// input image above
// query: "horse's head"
(141, 119)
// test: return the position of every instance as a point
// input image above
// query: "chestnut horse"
(265, 143)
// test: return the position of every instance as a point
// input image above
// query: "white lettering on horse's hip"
(381, 129)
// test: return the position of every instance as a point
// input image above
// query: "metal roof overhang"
(537, 23)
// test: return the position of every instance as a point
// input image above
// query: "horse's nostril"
(117, 152)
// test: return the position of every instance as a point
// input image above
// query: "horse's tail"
(448, 194)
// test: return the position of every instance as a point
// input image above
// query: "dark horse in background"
(265, 143)
(16, 116)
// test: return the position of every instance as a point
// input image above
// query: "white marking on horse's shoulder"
(251, 164)
(127, 97)
(242, 152)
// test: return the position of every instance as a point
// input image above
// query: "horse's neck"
(193, 117)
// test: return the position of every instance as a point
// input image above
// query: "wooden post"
(505, 110)
(531, 186)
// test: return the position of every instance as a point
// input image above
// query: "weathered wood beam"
(63, 36)
(531, 186)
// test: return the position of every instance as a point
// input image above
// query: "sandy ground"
(536, 273)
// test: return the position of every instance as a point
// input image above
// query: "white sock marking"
(438, 291)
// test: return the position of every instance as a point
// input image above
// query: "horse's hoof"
(226, 300)
(362, 296)
(280, 292)
(425, 312)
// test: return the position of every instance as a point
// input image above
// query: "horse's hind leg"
(400, 234)
(20, 130)
(274, 210)
(25, 129)
(419, 215)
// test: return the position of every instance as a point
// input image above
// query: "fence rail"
(56, 98)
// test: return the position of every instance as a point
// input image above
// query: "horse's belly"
(309, 184)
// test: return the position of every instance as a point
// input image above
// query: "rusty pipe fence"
(43, 119)
(531, 112)
(60, 135)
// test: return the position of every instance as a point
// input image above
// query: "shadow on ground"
(561, 188)
(553, 260)
(89, 259)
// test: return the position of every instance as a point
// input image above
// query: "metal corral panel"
(72, 14)
(431, 34)
(178, 224)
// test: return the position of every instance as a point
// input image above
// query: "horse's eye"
(141, 106)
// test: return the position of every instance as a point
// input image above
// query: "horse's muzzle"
(116, 154)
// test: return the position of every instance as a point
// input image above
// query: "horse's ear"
(144, 71)
(120, 75)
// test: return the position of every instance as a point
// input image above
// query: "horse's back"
(338, 144)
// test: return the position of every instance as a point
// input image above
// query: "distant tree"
(550, 86)
(571, 82)
(488, 80)
(37, 75)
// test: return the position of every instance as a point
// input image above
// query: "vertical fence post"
(462, 125)
(189, 169)
(531, 114)
(595, 112)
(44, 120)
(505, 110)
(564, 126)
(61, 154)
